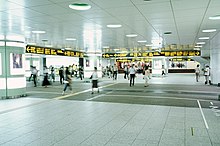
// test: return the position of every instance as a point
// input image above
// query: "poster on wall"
(87, 63)
(17, 60)
(157, 64)
(0, 64)
(16, 63)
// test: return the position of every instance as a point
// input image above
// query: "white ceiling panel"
(50, 9)
(112, 3)
(25, 13)
(94, 14)
(142, 2)
(69, 17)
(5, 5)
(30, 3)
(184, 18)
(122, 11)
(155, 8)
(190, 12)
(189, 4)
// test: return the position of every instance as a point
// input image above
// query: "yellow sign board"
(52, 51)
(152, 54)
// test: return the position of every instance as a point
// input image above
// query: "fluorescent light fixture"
(143, 41)
(38, 31)
(209, 30)
(70, 39)
(149, 45)
(68, 48)
(45, 40)
(131, 35)
(80, 6)
(216, 17)
(204, 38)
(200, 43)
(197, 46)
(105, 47)
(167, 33)
(114, 25)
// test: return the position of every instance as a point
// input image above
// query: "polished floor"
(171, 111)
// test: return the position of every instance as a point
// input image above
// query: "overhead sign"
(152, 54)
(52, 51)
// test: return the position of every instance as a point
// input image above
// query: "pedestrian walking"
(68, 80)
(132, 73)
(94, 78)
(197, 72)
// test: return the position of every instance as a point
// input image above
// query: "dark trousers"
(132, 76)
(115, 75)
(61, 79)
(35, 80)
(126, 74)
(66, 85)
(30, 77)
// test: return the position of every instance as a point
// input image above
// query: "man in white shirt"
(207, 74)
(115, 71)
(132, 73)
(94, 78)
(34, 72)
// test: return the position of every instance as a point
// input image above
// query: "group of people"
(206, 74)
(129, 73)
(34, 74)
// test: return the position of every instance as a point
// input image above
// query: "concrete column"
(91, 61)
(215, 59)
(12, 67)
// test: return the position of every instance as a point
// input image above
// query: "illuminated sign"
(152, 54)
(52, 51)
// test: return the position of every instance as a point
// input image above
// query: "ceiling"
(148, 19)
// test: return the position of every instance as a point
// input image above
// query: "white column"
(12, 67)
(215, 59)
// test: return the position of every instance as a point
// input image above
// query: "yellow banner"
(52, 51)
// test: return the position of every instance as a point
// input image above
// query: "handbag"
(90, 77)
(65, 81)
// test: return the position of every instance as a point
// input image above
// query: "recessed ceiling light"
(114, 25)
(70, 39)
(204, 38)
(143, 41)
(200, 43)
(216, 17)
(198, 46)
(131, 35)
(149, 45)
(80, 6)
(209, 30)
(167, 32)
(38, 31)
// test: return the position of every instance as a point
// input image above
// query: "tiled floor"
(51, 122)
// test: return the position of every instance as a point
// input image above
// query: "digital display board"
(152, 54)
(52, 51)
